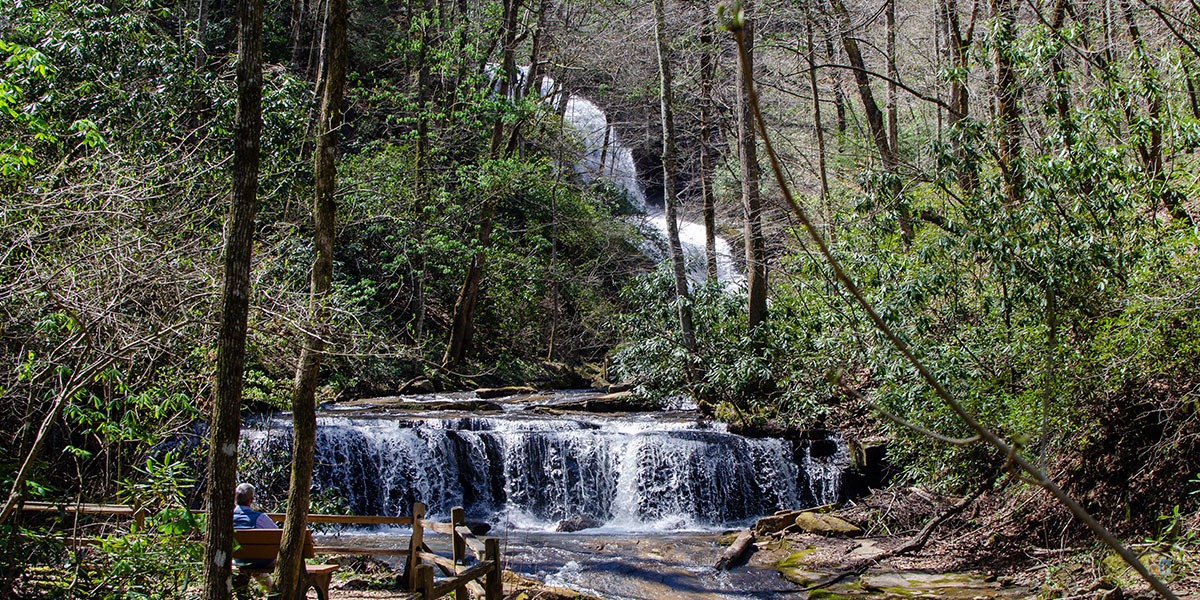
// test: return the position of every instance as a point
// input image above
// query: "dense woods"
(1011, 185)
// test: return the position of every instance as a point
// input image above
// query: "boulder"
(577, 523)
(562, 376)
(776, 522)
(419, 385)
(826, 525)
(479, 527)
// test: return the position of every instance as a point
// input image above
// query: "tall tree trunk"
(817, 127)
(462, 327)
(893, 113)
(1007, 94)
(290, 567)
(839, 95)
(756, 253)
(959, 44)
(683, 299)
(1152, 149)
(875, 118)
(201, 57)
(235, 304)
(708, 74)
(1058, 71)
(1189, 77)
(420, 182)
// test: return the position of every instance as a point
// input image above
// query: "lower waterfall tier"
(629, 473)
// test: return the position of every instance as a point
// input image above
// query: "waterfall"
(628, 473)
(605, 155)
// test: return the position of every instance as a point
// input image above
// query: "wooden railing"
(483, 578)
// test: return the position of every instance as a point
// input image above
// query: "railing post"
(458, 517)
(458, 550)
(415, 544)
(139, 516)
(425, 576)
(494, 586)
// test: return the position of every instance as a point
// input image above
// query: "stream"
(651, 492)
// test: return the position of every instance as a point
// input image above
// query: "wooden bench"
(263, 544)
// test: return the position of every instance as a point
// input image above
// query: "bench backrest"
(264, 543)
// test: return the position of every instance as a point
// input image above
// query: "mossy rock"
(826, 525)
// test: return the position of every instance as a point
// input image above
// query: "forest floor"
(988, 551)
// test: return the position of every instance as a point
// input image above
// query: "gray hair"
(245, 494)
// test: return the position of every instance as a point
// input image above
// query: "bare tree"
(235, 302)
(669, 196)
(755, 243)
(290, 567)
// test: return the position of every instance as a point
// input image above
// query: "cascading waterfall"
(624, 473)
(605, 155)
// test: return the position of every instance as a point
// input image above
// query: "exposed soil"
(991, 539)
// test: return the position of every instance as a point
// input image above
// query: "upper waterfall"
(606, 156)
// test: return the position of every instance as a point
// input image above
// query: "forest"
(966, 230)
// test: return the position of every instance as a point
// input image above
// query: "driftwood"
(734, 553)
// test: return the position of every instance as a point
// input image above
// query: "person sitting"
(245, 517)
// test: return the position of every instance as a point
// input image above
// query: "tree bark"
(290, 566)
(708, 74)
(875, 118)
(756, 254)
(235, 303)
(1007, 93)
(670, 199)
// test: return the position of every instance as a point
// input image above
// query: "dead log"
(736, 550)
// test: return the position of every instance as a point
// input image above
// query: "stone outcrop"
(826, 525)
(777, 522)
(577, 523)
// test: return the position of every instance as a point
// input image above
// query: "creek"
(653, 491)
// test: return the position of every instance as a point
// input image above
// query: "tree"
(755, 243)
(687, 329)
(708, 75)
(290, 566)
(463, 325)
(235, 303)
(875, 118)
(1007, 92)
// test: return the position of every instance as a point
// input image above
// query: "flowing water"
(527, 470)
(606, 156)
(653, 490)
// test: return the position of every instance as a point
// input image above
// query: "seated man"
(245, 517)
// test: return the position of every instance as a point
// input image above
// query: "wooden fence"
(473, 567)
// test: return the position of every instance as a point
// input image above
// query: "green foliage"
(733, 364)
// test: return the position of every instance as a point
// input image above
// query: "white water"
(529, 472)
(605, 155)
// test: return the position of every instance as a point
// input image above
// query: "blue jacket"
(245, 517)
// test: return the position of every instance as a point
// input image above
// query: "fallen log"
(735, 551)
